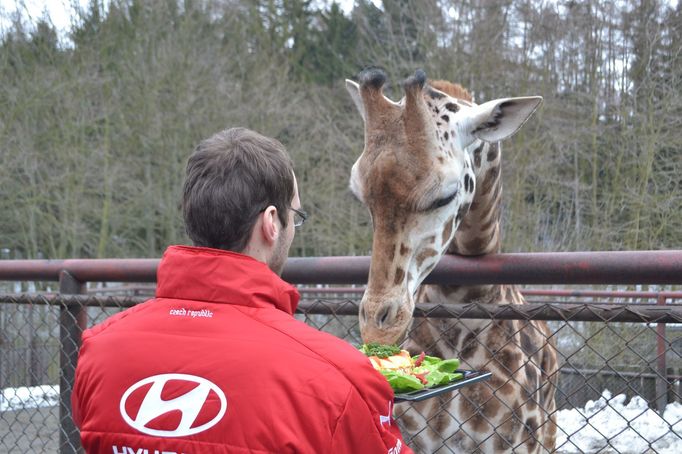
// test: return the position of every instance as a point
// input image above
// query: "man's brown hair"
(231, 177)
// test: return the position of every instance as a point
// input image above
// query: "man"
(216, 363)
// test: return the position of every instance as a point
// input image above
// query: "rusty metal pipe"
(630, 267)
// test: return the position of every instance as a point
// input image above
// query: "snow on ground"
(29, 397)
(613, 426)
(605, 425)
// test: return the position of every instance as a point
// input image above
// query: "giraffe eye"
(444, 201)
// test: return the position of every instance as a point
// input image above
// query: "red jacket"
(216, 363)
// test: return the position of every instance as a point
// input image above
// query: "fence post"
(662, 376)
(72, 322)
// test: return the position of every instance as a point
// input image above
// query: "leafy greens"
(421, 372)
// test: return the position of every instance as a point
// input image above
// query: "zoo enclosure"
(624, 268)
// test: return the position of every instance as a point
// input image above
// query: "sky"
(60, 11)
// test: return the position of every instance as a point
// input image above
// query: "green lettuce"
(402, 382)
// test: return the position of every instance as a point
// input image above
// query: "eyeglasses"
(299, 217)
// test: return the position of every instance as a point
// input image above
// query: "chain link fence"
(619, 384)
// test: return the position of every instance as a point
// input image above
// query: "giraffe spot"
(475, 244)
(477, 155)
(489, 180)
(443, 420)
(452, 336)
(409, 420)
(441, 159)
(468, 183)
(476, 396)
(479, 423)
(509, 358)
(496, 338)
(425, 254)
(532, 375)
(531, 399)
(502, 444)
(548, 362)
(448, 231)
(527, 344)
(546, 395)
(493, 152)
(504, 440)
(452, 107)
(463, 209)
(391, 253)
(475, 292)
(489, 224)
(495, 201)
(445, 135)
(491, 408)
(449, 290)
(445, 118)
(399, 276)
(459, 442)
(469, 345)
(404, 249)
(532, 427)
(501, 386)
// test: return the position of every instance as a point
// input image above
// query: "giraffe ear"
(496, 120)
(354, 90)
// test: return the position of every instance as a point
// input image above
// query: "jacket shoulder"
(114, 319)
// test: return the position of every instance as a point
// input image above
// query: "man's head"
(239, 193)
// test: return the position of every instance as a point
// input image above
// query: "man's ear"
(271, 226)
(496, 120)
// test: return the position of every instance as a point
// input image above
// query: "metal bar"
(569, 293)
(638, 267)
(615, 373)
(661, 382)
(84, 270)
(547, 311)
(601, 293)
(594, 312)
(72, 322)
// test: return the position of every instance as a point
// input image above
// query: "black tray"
(470, 376)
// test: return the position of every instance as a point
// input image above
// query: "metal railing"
(649, 267)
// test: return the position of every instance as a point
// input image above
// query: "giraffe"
(430, 177)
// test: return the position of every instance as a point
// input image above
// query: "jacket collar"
(214, 275)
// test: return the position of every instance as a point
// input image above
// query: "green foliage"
(96, 124)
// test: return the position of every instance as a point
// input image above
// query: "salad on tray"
(406, 373)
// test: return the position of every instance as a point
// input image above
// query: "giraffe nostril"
(383, 315)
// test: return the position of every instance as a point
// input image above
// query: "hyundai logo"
(173, 405)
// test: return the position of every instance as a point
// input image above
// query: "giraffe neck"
(478, 234)
(479, 231)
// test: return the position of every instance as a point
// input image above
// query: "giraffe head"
(416, 177)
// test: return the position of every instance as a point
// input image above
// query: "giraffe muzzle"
(384, 322)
